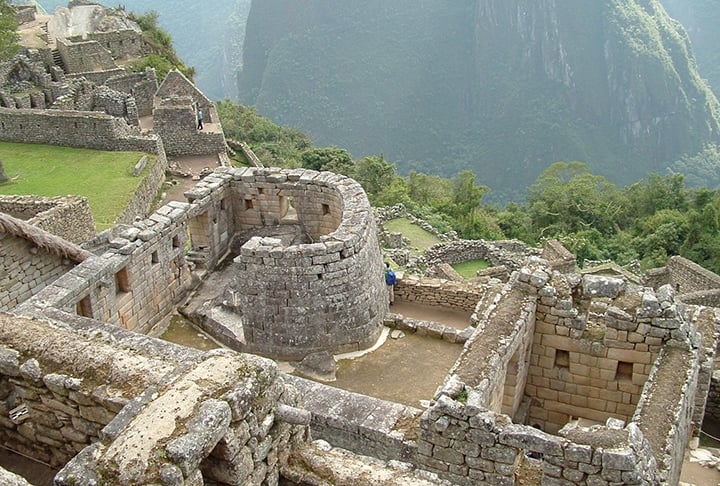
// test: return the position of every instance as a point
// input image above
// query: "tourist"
(200, 120)
(390, 283)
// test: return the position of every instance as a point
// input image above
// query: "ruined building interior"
(569, 376)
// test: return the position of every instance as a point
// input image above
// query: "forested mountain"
(701, 19)
(501, 87)
(207, 35)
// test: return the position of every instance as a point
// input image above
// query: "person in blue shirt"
(200, 120)
(390, 283)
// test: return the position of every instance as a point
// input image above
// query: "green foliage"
(702, 169)
(568, 199)
(164, 58)
(332, 159)
(8, 35)
(275, 145)
(657, 193)
(515, 222)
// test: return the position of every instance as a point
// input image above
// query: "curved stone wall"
(326, 293)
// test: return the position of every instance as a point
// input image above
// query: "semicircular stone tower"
(308, 275)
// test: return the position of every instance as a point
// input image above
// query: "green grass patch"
(420, 240)
(104, 178)
(470, 268)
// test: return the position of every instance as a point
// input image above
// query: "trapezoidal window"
(83, 308)
(249, 204)
(562, 359)
(325, 209)
(122, 281)
(624, 371)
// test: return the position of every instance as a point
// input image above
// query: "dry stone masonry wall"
(72, 129)
(543, 345)
(25, 270)
(69, 217)
(218, 415)
(316, 284)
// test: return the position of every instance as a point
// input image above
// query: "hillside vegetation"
(503, 88)
(645, 222)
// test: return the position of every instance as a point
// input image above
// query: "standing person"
(200, 120)
(390, 283)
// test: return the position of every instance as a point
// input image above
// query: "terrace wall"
(72, 129)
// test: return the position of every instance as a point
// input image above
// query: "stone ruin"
(578, 379)
(310, 282)
(68, 87)
(570, 378)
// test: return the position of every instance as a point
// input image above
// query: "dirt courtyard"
(185, 172)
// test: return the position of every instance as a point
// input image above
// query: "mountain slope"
(701, 18)
(503, 87)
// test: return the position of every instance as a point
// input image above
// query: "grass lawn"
(469, 268)
(104, 178)
(420, 240)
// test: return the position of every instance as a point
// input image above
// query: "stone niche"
(307, 271)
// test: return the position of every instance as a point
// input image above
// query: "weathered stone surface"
(600, 286)
(203, 433)
(321, 366)
(6, 477)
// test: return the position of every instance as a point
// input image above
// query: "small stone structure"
(553, 349)
(69, 217)
(312, 282)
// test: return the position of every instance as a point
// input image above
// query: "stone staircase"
(57, 60)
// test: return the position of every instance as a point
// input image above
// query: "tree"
(701, 169)
(276, 146)
(658, 193)
(375, 174)
(8, 32)
(473, 221)
(328, 158)
(566, 198)
(428, 190)
(515, 222)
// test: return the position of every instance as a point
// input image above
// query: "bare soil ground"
(695, 474)
(177, 185)
(34, 473)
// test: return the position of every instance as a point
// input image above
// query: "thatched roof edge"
(42, 239)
